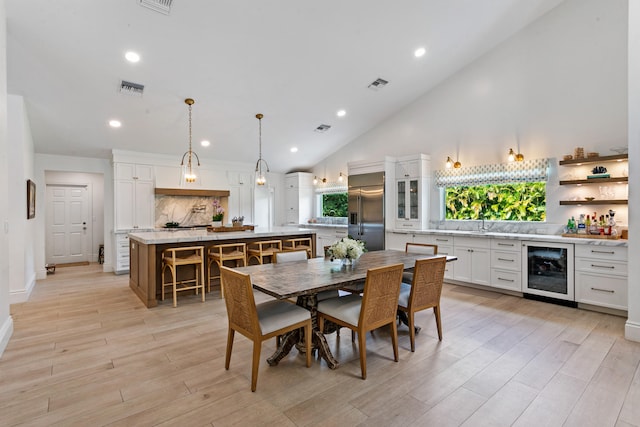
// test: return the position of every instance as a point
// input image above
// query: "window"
(497, 202)
(333, 204)
(502, 192)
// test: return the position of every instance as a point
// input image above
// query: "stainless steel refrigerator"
(366, 209)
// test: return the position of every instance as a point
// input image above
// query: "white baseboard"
(6, 330)
(23, 294)
(632, 331)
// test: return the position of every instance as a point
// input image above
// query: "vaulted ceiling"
(297, 62)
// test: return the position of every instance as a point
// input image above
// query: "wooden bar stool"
(236, 252)
(263, 249)
(300, 243)
(172, 258)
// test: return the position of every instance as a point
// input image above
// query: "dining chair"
(423, 293)
(375, 308)
(259, 322)
(172, 258)
(417, 248)
(291, 255)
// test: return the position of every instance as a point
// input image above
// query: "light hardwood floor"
(85, 351)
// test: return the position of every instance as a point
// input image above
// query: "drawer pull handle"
(506, 244)
(504, 259)
(506, 280)
(603, 290)
(603, 266)
(602, 252)
(442, 240)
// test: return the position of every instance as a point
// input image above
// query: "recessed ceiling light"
(132, 56)
(341, 113)
(205, 143)
(418, 53)
(294, 149)
(115, 123)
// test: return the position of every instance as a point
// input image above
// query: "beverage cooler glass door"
(548, 270)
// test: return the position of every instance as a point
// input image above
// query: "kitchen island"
(145, 250)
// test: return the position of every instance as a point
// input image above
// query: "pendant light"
(188, 173)
(260, 177)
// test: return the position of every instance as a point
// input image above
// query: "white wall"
(632, 330)
(22, 274)
(558, 84)
(6, 322)
(87, 168)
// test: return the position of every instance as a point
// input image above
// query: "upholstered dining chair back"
(379, 301)
(421, 248)
(293, 255)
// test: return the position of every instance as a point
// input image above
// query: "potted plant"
(218, 213)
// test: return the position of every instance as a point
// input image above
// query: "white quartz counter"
(183, 236)
(518, 236)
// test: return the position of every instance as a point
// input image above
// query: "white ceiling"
(297, 62)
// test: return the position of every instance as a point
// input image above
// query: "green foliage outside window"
(497, 202)
(335, 204)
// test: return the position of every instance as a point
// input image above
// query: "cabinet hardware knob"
(603, 290)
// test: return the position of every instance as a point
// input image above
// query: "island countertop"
(183, 236)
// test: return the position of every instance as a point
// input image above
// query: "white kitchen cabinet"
(133, 196)
(327, 236)
(411, 193)
(398, 240)
(122, 253)
(240, 201)
(473, 264)
(506, 264)
(445, 247)
(299, 194)
(601, 276)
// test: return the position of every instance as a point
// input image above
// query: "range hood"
(191, 192)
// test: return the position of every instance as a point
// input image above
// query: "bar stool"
(299, 243)
(172, 258)
(226, 252)
(263, 249)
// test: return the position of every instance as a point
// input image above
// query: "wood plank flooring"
(85, 351)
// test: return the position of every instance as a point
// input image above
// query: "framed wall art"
(31, 199)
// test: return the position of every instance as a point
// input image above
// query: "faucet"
(482, 228)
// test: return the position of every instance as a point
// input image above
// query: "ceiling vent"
(378, 84)
(162, 6)
(323, 128)
(131, 89)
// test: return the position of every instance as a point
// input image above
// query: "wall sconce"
(315, 180)
(450, 163)
(340, 178)
(515, 157)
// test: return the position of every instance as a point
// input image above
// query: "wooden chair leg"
(201, 281)
(257, 346)
(394, 340)
(227, 358)
(353, 335)
(362, 347)
(436, 312)
(175, 290)
(412, 330)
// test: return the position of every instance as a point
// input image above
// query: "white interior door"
(67, 229)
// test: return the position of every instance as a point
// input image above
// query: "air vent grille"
(323, 128)
(131, 89)
(162, 6)
(378, 84)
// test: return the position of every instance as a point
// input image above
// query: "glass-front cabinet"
(410, 193)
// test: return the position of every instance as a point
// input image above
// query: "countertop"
(183, 235)
(322, 225)
(518, 236)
